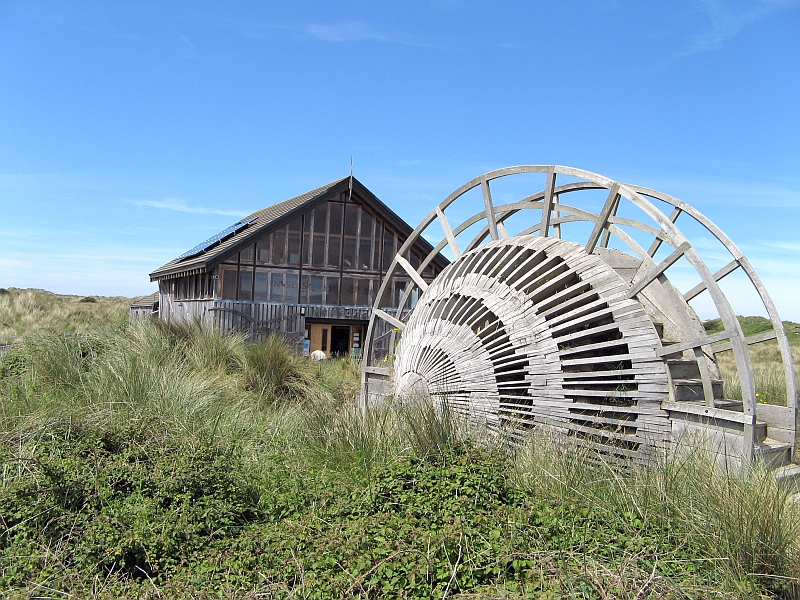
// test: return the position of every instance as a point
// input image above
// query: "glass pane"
(415, 260)
(388, 249)
(349, 256)
(335, 223)
(295, 225)
(349, 252)
(399, 289)
(351, 220)
(262, 250)
(334, 234)
(228, 281)
(315, 291)
(334, 250)
(290, 288)
(246, 256)
(332, 291)
(348, 291)
(279, 247)
(245, 283)
(307, 239)
(276, 291)
(321, 218)
(365, 241)
(365, 254)
(294, 228)
(304, 289)
(260, 288)
(363, 298)
(294, 247)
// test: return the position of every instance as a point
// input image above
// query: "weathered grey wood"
(490, 218)
(602, 221)
(487, 312)
(692, 344)
(549, 190)
(387, 317)
(701, 287)
(650, 276)
(448, 232)
(676, 212)
(416, 277)
(757, 338)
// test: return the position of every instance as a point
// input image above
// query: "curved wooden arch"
(649, 285)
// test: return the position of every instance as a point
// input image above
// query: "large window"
(333, 254)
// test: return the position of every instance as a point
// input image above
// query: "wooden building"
(308, 267)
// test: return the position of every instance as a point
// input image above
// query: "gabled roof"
(146, 302)
(273, 216)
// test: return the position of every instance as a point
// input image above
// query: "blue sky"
(129, 132)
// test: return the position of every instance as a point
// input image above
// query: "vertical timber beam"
(657, 242)
(602, 219)
(556, 226)
(448, 233)
(606, 236)
(487, 200)
(550, 186)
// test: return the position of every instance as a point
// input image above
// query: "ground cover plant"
(170, 461)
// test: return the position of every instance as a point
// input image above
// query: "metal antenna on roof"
(350, 197)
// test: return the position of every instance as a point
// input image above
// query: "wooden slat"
(680, 347)
(448, 233)
(378, 370)
(649, 277)
(548, 203)
(706, 411)
(389, 318)
(416, 277)
(490, 218)
(764, 336)
(658, 241)
(602, 219)
(701, 287)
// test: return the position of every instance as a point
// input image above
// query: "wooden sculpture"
(572, 323)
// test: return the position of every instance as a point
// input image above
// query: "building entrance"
(335, 339)
(340, 340)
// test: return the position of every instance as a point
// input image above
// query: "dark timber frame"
(316, 258)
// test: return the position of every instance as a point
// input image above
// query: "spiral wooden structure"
(558, 312)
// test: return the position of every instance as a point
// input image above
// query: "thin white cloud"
(788, 246)
(732, 193)
(179, 205)
(345, 31)
(361, 31)
(728, 18)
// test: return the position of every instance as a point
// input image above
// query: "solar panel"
(214, 240)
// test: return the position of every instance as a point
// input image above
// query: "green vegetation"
(754, 325)
(765, 357)
(168, 461)
(33, 312)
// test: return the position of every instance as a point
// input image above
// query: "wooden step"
(790, 475)
(773, 453)
(734, 405)
(687, 390)
(683, 368)
(761, 432)
(666, 344)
